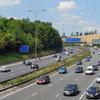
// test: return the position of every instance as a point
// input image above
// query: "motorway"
(54, 90)
(21, 69)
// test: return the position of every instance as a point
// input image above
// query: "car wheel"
(64, 94)
(87, 97)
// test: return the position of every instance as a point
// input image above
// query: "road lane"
(21, 69)
(54, 91)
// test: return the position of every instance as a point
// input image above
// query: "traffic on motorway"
(78, 82)
(9, 72)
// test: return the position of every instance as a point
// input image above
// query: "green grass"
(4, 59)
(14, 57)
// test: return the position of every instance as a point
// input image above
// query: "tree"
(15, 32)
(72, 34)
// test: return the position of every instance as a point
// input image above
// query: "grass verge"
(15, 57)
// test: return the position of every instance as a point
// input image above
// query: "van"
(89, 70)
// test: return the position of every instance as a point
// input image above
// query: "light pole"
(36, 12)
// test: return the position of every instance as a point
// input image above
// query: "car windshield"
(70, 87)
(92, 89)
(78, 68)
(89, 69)
(62, 68)
(41, 78)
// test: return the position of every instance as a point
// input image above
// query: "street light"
(36, 12)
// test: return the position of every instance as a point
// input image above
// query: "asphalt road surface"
(54, 90)
(21, 69)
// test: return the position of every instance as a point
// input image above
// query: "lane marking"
(30, 85)
(34, 94)
(11, 74)
(23, 71)
(77, 79)
(57, 95)
(50, 85)
(61, 79)
(86, 89)
(53, 74)
(17, 91)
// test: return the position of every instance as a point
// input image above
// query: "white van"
(89, 70)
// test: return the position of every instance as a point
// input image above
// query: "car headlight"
(87, 93)
(96, 94)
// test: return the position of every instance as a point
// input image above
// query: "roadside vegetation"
(15, 57)
(15, 33)
(48, 69)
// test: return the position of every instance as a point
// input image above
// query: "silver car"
(5, 69)
(98, 79)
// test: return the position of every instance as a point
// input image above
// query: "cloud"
(9, 2)
(67, 5)
(71, 19)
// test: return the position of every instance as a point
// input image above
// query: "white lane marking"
(11, 74)
(23, 71)
(57, 95)
(28, 86)
(54, 74)
(61, 79)
(86, 89)
(34, 94)
(50, 85)
(17, 91)
(77, 79)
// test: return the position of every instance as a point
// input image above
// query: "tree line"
(15, 32)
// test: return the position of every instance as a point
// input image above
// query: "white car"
(58, 59)
(89, 70)
(5, 69)
(98, 79)
(66, 53)
(98, 53)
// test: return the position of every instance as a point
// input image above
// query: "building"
(84, 39)
(96, 42)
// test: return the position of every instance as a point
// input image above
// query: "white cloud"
(13, 17)
(9, 2)
(67, 5)
(71, 19)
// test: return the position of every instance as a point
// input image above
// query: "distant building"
(87, 39)
(96, 42)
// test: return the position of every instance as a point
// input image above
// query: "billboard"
(73, 40)
(24, 49)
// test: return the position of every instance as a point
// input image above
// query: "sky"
(67, 16)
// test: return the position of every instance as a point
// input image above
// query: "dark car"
(93, 52)
(98, 63)
(93, 92)
(71, 89)
(34, 66)
(71, 52)
(44, 79)
(55, 56)
(62, 70)
(87, 59)
(79, 62)
(79, 69)
(95, 67)
(90, 56)
(27, 63)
